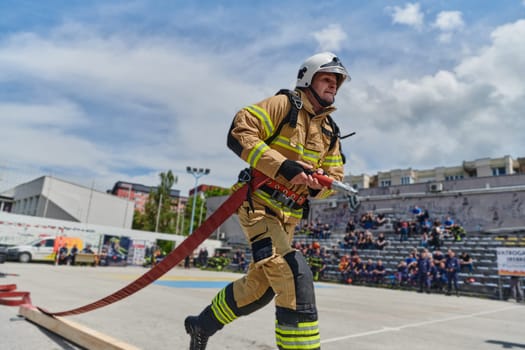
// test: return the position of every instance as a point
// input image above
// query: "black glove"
(289, 169)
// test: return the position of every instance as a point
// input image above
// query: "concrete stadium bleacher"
(481, 247)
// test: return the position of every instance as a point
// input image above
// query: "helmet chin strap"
(322, 102)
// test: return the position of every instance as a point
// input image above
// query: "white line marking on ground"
(417, 324)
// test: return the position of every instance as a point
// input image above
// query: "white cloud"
(448, 21)
(118, 106)
(410, 15)
(501, 64)
(165, 104)
(330, 38)
(471, 111)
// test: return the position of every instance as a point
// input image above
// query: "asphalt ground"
(351, 317)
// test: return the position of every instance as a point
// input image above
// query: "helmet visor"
(335, 66)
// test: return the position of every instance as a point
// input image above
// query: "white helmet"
(321, 62)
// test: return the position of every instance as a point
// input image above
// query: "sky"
(96, 92)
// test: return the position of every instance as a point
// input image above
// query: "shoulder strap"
(295, 105)
(336, 134)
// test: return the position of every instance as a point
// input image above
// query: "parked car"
(3, 254)
(42, 249)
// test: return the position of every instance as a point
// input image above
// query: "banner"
(511, 261)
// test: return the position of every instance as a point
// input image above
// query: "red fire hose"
(9, 296)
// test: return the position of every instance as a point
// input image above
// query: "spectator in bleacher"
(368, 271)
(426, 226)
(453, 266)
(326, 232)
(424, 240)
(447, 225)
(379, 220)
(423, 272)
(381, 241)
(413, 274)
(304, 229)
(417, 211)
(349, 240)
(402, 273)
(354, 254)
(367, 220)
(411, 259)
(436, 236)
(336, 254)
(358, 269)
(433, 272)
(441, 279)
(317, 231)
(343, 262)
(465, 260)
(317, 264)
(378, 274)
(438, 256)
(361, 240)
(310, 233)
(515, 289)
(369, 240)
(425, 215)
(458, 232)
(403, 231)
(350, 225)
(413, 228)
(345, 267)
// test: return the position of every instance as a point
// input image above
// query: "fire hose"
(9, 296)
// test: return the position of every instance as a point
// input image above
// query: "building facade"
(49, 197)
(484, 167)
(139, 195)
(6, 203)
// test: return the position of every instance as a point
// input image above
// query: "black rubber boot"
(199, 338)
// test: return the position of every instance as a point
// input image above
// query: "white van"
(42, 249)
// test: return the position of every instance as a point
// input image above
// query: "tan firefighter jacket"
(309, 142)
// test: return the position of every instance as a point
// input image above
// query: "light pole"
(197, 174)
(158, 213)
(130, 187)
(203, 198)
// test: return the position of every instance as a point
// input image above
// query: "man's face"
(325, 85)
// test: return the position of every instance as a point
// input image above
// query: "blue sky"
(102, 91)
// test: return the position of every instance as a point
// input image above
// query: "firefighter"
(316, 263)
(286, 149)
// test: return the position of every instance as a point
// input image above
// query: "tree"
(159, 198)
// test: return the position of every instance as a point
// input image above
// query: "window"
(406, 180)
(453, 177)
(498, 171)
(385, 183)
